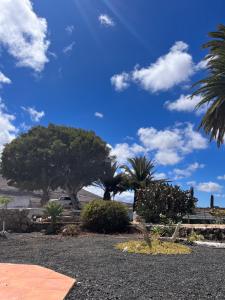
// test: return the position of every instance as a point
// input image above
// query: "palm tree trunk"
(107, 195)
(135, 201)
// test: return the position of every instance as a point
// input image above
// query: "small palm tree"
(140, 172)
(111, 181)
(53, 210)
(212, 88)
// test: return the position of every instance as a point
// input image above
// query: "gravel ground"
(104, 273)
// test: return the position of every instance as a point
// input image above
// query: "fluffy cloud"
(221, 177)
(183, 173)
(106, 20)
(7, 129)
(23, 33)
(167, 71)
(4, 79)
(68, 49)
(124, 151)
(169, 146)
(220, 195)
(120, 81)
(186, 104)
(167, 157)
(160, 176)
(172, 144)
(209, 187)
(69, 29)
(34, 114)
(99, 115)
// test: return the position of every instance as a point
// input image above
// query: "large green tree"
(140, 173)
(29, 162)
(83, 155)
(164, 199)
(55, 156)
(212, 87)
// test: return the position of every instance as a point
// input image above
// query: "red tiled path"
(31, 282)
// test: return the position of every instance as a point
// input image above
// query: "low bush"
(53, 210)
(105, 216)
(70, 230)
(157, 247)
(194, 236)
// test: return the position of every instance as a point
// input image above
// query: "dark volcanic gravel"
(105, 273)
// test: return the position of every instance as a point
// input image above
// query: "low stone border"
(210, 244)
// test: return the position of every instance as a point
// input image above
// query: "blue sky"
(121, 68)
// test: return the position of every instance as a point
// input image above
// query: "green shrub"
(105, 216)
(195, 237)
(53, 210)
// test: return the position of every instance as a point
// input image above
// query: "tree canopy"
(212, 87)
(111, 181)
(164, 199)
(140, 173)
(45, 158)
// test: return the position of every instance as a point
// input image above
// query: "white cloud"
(120, 81)
(220, 195)
(172, 144)
(34, 114)
(167, 71)
(69, 29)
(160, 176)
(169, 146)
(124, 151)
(4, 79)
(202, 65)
(106, 20)
(99, 115)
(183, 173)
(221, 177)
(167, 157)
(186, 104)
(23, 33)
(24, 126)
(69, 48)
(7, 129)
(191, 183)
(209, 187)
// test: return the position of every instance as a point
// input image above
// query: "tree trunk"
(107, 195)
(45, 197)
(135, 200)
(75, 200)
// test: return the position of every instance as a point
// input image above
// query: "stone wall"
(16, 220)
(214, 234)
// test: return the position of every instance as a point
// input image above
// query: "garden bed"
(104, 272)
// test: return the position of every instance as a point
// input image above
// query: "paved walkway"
(32, 282)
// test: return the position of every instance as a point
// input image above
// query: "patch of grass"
(157, 248)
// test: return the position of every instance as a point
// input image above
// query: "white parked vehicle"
(65, 201)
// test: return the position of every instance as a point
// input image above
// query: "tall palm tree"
(111, 181)
(140, 172)
(212, 88)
